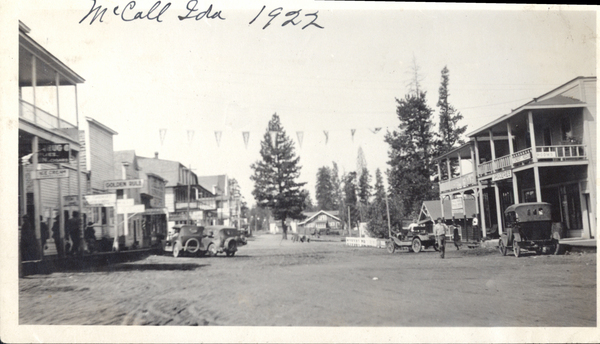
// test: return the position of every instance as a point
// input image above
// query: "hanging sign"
(502, 175)
(104, 200)
(353, 131)
(123, 184)
(326, 136)
(218, 137)
(50, 153)
(50, 174)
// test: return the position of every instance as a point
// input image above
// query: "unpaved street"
(279, 283)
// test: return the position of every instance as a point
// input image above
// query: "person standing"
(439, 230)
(475, 227)
(45, 232)
(56, 236)
(73, 227)
(29, 246)
(456, 235)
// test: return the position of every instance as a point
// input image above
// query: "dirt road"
(279, 283)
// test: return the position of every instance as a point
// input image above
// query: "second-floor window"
(565, 126)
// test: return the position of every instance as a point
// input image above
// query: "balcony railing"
(543, 153)
(42, 118)
(458, 183)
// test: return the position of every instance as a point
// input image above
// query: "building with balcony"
(543, 151)
(185, 199)
(227, 197)
(51, 166)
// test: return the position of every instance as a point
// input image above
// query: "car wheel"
(231, 249)
(501, 247)
(516, 249)
(416, 245)
(176, 249)
(212, 250)
(390, 246)
(192, 245)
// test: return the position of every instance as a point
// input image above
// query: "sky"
(230, 76)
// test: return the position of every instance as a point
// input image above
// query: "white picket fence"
(371, 242)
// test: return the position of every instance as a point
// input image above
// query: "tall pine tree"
(325, 192)
(449, 131)
(411, 153)
(275, 175)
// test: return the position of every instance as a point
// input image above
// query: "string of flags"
(273, 136)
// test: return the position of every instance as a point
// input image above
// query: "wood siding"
(101, 156)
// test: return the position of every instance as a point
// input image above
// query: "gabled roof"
(215, 184)
(100, 125)
(315, 215)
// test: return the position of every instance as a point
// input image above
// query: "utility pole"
(188, 193)
(387, 208)
(349, 223)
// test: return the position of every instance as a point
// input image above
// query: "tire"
(390, 246)
(416, 245)
(176, 249)
(195, 249)
(516, 249)
(212, 250)
(501, 247)
(231, 249)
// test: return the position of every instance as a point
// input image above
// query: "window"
(571, 206)
(529, 196)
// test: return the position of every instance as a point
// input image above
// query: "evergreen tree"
(337, 186)
(411, 153)
(449, 131)
(377, 212)
(275, 175)
(325, 192)
(364, 187)
(350, 199)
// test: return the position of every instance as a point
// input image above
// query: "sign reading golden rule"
(502, 175)
(49, 174)
(123, 184)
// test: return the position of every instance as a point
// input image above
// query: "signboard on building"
(101, 200)
(49, 153)
(545, 155)
(127, 202)
(502, 175)
(523, 157)
(457, 206)
(123, 184)
(50, 174)
(73, 201)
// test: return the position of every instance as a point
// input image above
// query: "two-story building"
(543, 151)
(49, 146)
(185, 199)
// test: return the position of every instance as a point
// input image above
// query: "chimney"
(155, 155)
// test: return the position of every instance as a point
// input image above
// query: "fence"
(371, 242)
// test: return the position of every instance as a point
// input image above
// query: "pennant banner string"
(190, 134)
(300, 135)
(326, 136)
(163, 133)
(246, 135)
(218, 137)
(353, 131)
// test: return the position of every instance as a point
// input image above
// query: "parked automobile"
(529, 227)
(416, 238)
(184, 239)
(220, 239)
(198, 240)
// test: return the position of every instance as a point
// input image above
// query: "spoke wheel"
(501, 247)
(176, 249)
(212, 250)
(516, 249)
(390, 246)
(416, 245)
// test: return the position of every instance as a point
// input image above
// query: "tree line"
(411, 175)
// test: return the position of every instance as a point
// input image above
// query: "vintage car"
(529, 227)
(198, 240)
(413, 237)
(185, 239)
(222, 239)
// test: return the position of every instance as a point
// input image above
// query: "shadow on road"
(149, 267)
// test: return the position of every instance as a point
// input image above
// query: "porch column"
(439, 172)
(61, 220)
(492, 147)
(34, 85)
(448, 168)
(536, 169)
(37, 200)
(442, 200)
(482, 213)
(510, 141)
(515, 186)
(498, 208)
(476, 146)
(79, 194)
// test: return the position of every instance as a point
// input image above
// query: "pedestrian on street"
(475, 226)
(456, 235)
(29, 246)
(73, 227)
(439, 230)
(56, 236)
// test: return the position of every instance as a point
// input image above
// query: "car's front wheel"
(416, 245)
(212, 250)
(391, 247)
